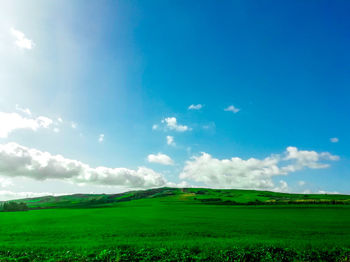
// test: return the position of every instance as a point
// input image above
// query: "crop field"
(177, 227)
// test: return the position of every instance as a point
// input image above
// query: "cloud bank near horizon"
(252, 173)
(20, 161)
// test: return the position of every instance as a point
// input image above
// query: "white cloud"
(302, 159)
(195, 107)
(20, 161)
(171, 123)
(252, 173)
(23, 110)
(60, 119)
(56, 130)
(327, 192)
(232, 108)
(160, 159)
(334, 139)
(5, 182)
(74, 125)
(283, 187)
(101, 137)
(231, 173)
(44, 121)
(21, 41)
(182, 184)
(308, 191)
(9, 195)
(10, 122)
(154, 127)
(170, 140)
(301, 183)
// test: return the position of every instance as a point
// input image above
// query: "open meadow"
(179, 228)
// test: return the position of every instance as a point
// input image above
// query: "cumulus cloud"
(74, 125)
(195, 107)
(160, 159)
(234, 172)
(171, 123)
(232, 108)
(170, 140)
(309, 159)
(334, 139)
(10, 122)
(252, 173)
(282, 187)
(20, 161)
(101, 137)
(21, 41)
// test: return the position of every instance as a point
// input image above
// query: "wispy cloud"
(23, 110)
(160, 159)
(195, 107)
(9, 195)
(101, 138)
(232, 108)
(327, 192)
(301, 183)
(334, 139)
(21, 41)
(170, 140)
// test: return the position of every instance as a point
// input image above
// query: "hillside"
(186, 195)
(171, 224)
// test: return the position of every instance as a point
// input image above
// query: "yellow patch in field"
(186, 196)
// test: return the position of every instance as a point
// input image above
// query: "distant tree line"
(14, 206)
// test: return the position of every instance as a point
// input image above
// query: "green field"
(187, 195)
(161, 225)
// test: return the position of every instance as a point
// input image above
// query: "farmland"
(176, 224)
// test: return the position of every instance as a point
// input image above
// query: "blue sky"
(118, 68)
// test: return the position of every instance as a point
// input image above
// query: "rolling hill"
(186, 195)
(179, 224)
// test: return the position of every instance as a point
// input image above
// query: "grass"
(193, 195)
(177, 226)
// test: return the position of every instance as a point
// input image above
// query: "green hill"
(186, 195)
(174, 224)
